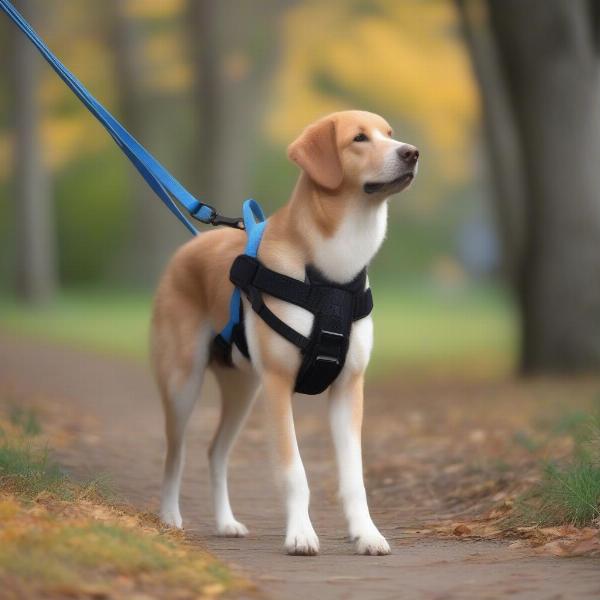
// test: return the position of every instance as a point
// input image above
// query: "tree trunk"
(206, 89)
(153, 233)
(234, 54)
(35, 260)
(548, 51)
(502, 145)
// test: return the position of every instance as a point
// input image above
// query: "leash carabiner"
(235, 222)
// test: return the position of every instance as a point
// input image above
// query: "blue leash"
(166, 187)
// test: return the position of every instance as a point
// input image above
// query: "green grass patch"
(428, 329)
(109, 322)
(27, 471)
(418, 327)
(26, 419)
(569, 492)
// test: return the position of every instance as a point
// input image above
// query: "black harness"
(335, 307)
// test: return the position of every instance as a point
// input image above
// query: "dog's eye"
(361, 137)
(390, 133)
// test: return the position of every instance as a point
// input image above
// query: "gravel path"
(112, 411)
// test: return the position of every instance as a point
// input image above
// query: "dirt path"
(112, 411)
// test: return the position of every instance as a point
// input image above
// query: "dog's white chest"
(339, 258)
(354, 243)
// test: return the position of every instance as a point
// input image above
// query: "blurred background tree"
(34, 236)
(537, 63)
(496, 225)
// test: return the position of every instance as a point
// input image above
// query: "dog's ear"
(316, 152)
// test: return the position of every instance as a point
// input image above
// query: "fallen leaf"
(585, 543)
(461, 529)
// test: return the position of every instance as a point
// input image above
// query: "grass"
(78, 556)
(62, 538)
(26, 419)
(28, 472)
(418, 327)
(569, 491)
(25, 466)
(110, 322)
(428, 330)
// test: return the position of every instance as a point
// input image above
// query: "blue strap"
(254, 224)
(167, 188)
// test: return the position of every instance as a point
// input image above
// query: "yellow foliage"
(153, 9)
(404, 59)
(166, 67)
(67, 134)
(64, 137)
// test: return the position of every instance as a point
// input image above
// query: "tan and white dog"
(335, 220)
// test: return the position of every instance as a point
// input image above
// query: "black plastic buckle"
(329, 343)
(217, 219)
(235, 222)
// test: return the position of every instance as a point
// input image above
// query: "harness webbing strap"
(254, 224)
(274, 322)
(248, 273)
(335, 308)
(166, 187)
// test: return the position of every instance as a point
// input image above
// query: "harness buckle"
(329, 343)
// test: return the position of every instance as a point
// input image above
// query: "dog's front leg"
(300, 536)
(346, 411)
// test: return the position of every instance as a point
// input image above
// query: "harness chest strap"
(248, 274)
(335, 308)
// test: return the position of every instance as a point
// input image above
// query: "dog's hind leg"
(179, 393)
(238, 390)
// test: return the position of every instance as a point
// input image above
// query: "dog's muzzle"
(408, 156)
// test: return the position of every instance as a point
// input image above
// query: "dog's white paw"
(302, 541)
(371, 543)
(232, 529)
(171, 517)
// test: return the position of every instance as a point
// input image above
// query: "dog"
(335, 221)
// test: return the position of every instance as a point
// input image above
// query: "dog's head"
(355, 151)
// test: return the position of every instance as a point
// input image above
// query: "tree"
(35, 264)
(234, 55)
(502, 144)
(547, 71)
(153, 234)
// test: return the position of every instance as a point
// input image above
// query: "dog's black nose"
(409, 154)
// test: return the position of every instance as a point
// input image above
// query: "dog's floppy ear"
(316, 152)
